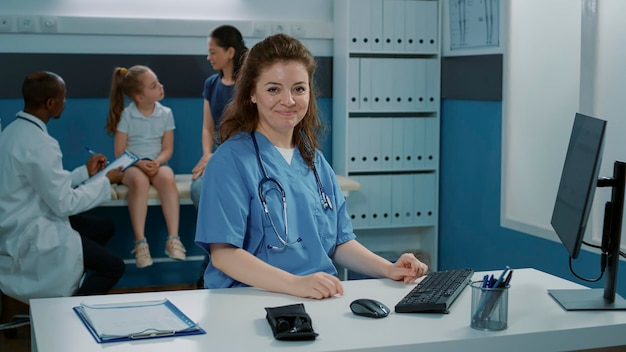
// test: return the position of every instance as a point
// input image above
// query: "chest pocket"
(326, 220)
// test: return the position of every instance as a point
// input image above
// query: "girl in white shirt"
(145, 128)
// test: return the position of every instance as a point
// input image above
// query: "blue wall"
(470, 231)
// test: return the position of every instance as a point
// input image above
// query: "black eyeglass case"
(291, 323)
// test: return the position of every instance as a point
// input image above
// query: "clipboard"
(126, 160)
(131, 321)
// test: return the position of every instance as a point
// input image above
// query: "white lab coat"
(40, 254)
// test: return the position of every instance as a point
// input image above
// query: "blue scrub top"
(231, 212)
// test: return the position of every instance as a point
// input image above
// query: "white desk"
(235, 321)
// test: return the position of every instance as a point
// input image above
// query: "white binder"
(419, 132)
(397, 144)
(418, 86)
(365, 84)
(373, 135)
(354, 135)
(358, 203)
(428, 18)
(411, 24)
(431, 84)
(425, 188)
(398, 26)
(386, 143)
(376, 24)
(388, 26)
(358, 28)
(408, 143)
(354, 96)
(431, 143)
(380, 204)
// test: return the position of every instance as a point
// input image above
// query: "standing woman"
(279, 220)
(226, 47)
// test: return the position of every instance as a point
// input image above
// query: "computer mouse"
(370, 308)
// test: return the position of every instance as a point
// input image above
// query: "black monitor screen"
(578, 182)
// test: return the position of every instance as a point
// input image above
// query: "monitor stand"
(607, 298)
(587, 299)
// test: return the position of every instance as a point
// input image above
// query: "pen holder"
(490, 307)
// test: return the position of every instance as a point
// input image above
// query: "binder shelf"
(386, 117)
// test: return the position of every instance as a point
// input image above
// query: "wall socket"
(297, 30)
(49, 24)
(279, 28)
(6, 23)
(27, 24)
(259, 29)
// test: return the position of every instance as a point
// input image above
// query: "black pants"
(103, 268)
(203, 266)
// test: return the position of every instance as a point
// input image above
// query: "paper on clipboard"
(135, 320)
(126, 160)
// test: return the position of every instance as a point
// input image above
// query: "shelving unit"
(386, 103)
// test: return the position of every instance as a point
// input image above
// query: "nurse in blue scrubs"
(272, 214)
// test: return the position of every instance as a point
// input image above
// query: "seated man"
(41, 255)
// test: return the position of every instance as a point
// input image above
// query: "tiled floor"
(20, 343)
(20, 337)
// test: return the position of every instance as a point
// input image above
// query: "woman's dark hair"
(241, 115)
(229, 37)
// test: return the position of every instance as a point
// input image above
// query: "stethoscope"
(324, 198)
(31, 121)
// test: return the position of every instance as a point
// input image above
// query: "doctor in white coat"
(40, 254)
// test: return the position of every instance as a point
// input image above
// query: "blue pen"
(485, 281)
(506, 281)
(497, 284)
(90, 151)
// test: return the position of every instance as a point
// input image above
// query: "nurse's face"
(282, 97)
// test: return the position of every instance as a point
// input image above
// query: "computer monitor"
(572, 207)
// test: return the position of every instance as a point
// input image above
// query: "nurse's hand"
(407, 268)
(318, 286)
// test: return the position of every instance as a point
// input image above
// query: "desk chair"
(8, 323)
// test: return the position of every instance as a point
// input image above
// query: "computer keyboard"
(436, 292)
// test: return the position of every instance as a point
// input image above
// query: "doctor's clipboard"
(126, 160)
(117, 322)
